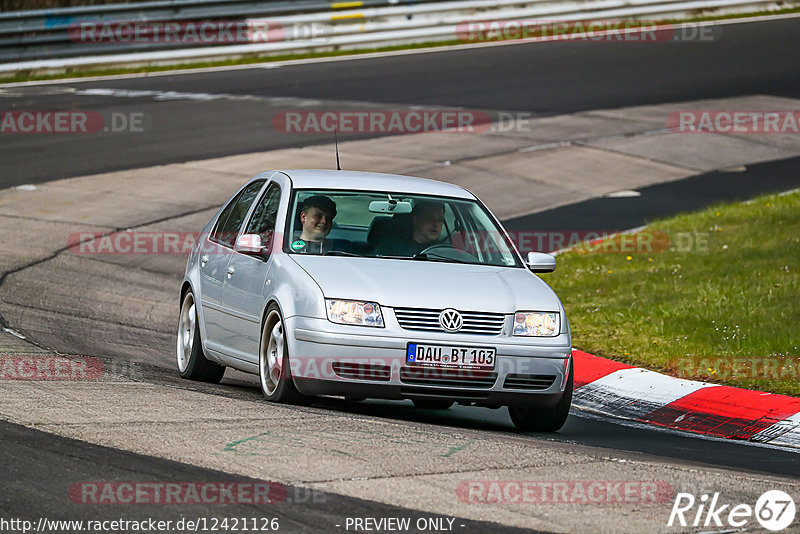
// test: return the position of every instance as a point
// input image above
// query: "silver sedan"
(370, 285)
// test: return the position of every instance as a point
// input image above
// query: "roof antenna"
(336, 141)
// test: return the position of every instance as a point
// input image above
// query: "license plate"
(453, 357)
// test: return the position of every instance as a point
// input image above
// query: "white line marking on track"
(14, 333)
(279, 101)
(585, 141)
(177, 95)
(624, 193)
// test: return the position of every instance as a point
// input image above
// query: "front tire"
(192, 362)
(273, 361)
(529, 419)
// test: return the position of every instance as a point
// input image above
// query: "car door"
(215, 255)
(245, 286)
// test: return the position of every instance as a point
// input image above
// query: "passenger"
(427, 219)
(316, 217)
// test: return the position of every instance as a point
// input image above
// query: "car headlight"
(539, 324)
(354, 312)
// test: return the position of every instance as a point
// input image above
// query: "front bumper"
(331, 359)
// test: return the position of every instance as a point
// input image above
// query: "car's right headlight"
(354, 312)
(537, 324)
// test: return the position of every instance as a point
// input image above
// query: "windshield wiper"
(425, 257)
(341, 253)
(419, 257)
(441, 259)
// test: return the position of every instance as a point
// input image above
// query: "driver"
(427, 219)
(316, 216)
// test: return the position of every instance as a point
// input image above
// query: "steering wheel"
(434, 247)
(452, 252)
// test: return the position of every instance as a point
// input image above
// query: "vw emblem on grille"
(451, 320)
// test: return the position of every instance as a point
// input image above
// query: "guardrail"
(51, 40)
(46, 33)
(60, 18)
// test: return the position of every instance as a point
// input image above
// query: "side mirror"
(249, 244)
(539, 262)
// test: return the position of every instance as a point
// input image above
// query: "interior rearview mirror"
(390, 206)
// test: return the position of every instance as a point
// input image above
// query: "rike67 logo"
(774, 510)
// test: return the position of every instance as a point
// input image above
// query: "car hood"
(425, 284)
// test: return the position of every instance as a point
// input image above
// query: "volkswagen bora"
(369, 285)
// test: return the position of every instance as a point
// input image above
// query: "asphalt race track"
(91, 462)
(235, 117)
(542, 79)
(664, 200)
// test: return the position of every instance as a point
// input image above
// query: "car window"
(396, 226)
(352, 209)
(232, 217)
(265, 214)
(475, 233)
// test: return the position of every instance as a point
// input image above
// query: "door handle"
(203, 260)
(230, 270)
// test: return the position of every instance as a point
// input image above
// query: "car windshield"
(397, 226)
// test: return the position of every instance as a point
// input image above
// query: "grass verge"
(84, 72)
(720, 302)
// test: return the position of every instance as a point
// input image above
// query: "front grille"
(518, 381)
(437, 376)
(362, 371)
(489, 324)
(443, 393)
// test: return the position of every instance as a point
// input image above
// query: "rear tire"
(432, 404)
(274, 370)
(528, 419)
(192, 362)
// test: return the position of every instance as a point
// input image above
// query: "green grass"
(81, 72)
(727, 311)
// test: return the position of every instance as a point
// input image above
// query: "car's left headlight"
(538, 324)
(354, 312)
